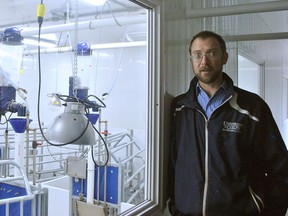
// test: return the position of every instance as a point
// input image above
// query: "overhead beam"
(237, 9)
(257, 37)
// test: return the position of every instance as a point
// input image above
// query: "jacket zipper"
(204, 205)
(206, 169)
(206, 164)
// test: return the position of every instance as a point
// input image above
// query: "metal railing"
(47, 162)
(20, 182)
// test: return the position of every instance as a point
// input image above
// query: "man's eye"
(213, 53)
(197, 55)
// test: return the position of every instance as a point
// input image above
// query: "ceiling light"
(72, 127)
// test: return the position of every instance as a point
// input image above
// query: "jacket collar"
(190, 98)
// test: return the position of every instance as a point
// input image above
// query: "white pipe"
(93, 47)
(252, 37)
(238, 9)
(90, 178)
(91, 24)
(19, 152)
(70, 196)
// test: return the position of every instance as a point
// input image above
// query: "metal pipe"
(134, 174)
(135, 193)
(21, 207)
(90, 177)
(27, 143)
(9, 179)
(34, 166)
(99, 150)
(22, 176)
(105, 158)
(237, 9)
(130, 164)
(91, 24)
(6, 156)
(19, 151)
(132, 156)
(246, 37)
(92, 47)
(16, 199)
(252, 37)
(105, 185)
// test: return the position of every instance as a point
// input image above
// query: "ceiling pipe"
(92, 47)
(237, 9)
(91, 24)
(257, 37)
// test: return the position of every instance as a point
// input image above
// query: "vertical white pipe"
(90, 178)
(19, 152)
(70, 196)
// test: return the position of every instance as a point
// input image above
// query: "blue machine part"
(111, 185)
(7, 93)
(7, 101)
(82, 93)
(17, 107)
(83, 49)
(11, 36)
(9, 191)
(93, 117)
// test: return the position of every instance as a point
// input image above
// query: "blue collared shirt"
(210, 104)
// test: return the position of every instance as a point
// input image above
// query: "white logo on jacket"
(232, 127)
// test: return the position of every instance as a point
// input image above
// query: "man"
(227, 155)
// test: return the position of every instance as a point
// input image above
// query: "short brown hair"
(208, 34)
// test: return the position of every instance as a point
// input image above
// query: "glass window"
(249, 75)
(119, 78)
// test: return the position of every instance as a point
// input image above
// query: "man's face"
(207, 60)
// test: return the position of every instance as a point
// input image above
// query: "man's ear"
(224, 58)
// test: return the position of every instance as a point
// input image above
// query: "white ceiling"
(23, 12)
(23, 15)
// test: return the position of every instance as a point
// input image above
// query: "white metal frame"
(29, 196)
(154, 182)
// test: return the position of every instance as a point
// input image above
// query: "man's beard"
(213, 75)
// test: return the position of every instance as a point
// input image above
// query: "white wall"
(179, 30)
(249, 75)
(122, 72)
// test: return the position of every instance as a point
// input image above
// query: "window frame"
(153, 203)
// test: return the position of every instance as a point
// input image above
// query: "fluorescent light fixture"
(32, 42)
(96, 2)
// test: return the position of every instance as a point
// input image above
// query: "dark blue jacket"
(233, 164)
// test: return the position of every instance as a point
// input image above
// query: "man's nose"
(204, 59)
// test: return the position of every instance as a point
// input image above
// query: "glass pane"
(249, 75)
(111, 80)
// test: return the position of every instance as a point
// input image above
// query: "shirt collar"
(223, 86)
